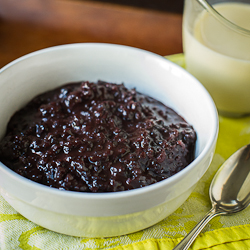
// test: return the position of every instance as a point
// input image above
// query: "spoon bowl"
(229, 192)
(230, 188)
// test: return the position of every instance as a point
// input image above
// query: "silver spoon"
(229, 192)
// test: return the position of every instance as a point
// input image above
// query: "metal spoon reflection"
(229, 192)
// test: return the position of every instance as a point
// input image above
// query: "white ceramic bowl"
(105, 214)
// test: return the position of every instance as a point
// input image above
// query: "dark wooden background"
(161, 5)
(29, 25)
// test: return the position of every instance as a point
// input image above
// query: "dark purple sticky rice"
(97, 137)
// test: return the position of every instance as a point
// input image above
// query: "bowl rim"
(127, 193)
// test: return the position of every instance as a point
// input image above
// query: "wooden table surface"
(30, 25)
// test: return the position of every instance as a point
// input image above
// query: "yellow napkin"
(225, 232)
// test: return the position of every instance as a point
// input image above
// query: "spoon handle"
(191, 236)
